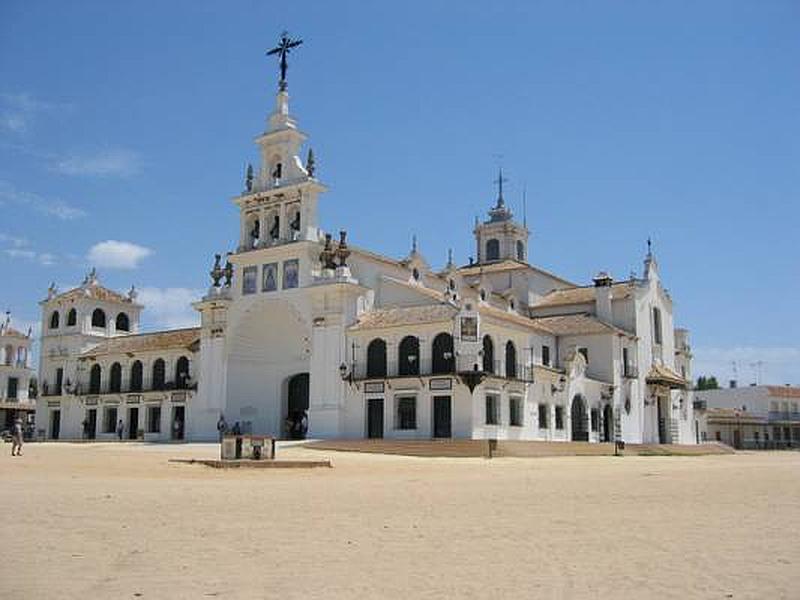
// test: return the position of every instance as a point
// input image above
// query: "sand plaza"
(121, 520)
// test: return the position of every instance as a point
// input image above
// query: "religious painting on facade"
(269, 277)
(291, 270)
(249, 276)
(469, 329)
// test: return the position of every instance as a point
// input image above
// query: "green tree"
(707, 383)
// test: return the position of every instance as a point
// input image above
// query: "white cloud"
(51, 207)
(169, 307)
(18, 112)
(20, 248)
(113, 254)
(113, 162)
(779, 365)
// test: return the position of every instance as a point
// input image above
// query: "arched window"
(54, 320)
(94, 379)
(488, 354)
(408, 357)
(511, 360)
(159, 374)
(376, 358)
(493, 249)
(181, 372)
(98, 318)
(136, 376)
(442, 360)
(520, 250)
(72, 317)
(115, 378)
(123, 322)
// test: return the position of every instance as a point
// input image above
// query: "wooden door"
(375, 418)
(442, 417)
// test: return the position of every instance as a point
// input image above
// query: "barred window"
(515, 412)
(543, 416)
(492, 409)
(406, 413)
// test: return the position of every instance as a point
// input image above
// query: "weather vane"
(282, 49)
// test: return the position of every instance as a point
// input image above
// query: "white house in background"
(307, 329)
(15, 375)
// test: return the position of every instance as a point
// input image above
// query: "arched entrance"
(297, 407)
(608, 423)
(580, 430)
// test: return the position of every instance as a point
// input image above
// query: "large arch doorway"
(580, 431)
(297, 407)
(608, 423)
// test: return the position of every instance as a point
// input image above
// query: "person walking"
(16, 438)
(120, 429)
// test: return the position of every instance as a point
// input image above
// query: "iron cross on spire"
(499, 181)
(282, 49)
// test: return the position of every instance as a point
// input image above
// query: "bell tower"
(279, 202)
(500, 237)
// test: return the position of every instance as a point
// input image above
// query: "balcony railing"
(519, 372)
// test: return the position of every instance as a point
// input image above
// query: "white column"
(262, 227)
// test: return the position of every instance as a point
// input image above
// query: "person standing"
(222, 426)
(16, 438)
(120, 429)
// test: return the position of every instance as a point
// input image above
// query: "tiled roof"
(396, 317)
(783, 391)
(8, 331)
(582, 295)
(504, 315)
(576, 324)
(418, 288)
(506, 265)
(95, 291)
(143, 342)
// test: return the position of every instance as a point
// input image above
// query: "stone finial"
(132, 294)
(328, 255)
(310, 164)
(414, 244)
(450, 263)
(216, 271)
(343, 251)
(52, 291)
(248, 178)
(228, 271)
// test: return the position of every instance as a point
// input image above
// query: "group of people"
(296, 426)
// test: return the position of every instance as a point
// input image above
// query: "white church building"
(298, 326)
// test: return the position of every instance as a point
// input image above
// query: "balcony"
(630, 372)
(462, 365)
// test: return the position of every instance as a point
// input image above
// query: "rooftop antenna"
(525, 205)
(757, 368)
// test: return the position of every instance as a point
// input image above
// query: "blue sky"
(131, 123)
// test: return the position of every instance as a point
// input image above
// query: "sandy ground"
(120, 521)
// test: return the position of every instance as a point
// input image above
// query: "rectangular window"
(269, 277)
(595, 416)
(559, 417)
(626, 367)
(492, 409)
(543, 416)
(585, 352)
(12, 388)
(656, 325)
(546, 356)
(110, 420)
(515, 412)
(291, 274)
(249, 276)
(153, 419)
(406, 413)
